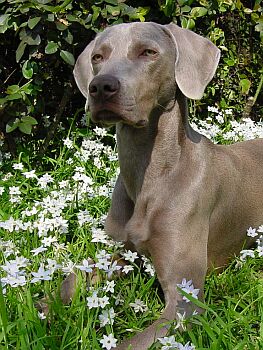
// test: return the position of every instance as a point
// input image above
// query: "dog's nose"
(104, 86)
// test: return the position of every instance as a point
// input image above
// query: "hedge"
(40, 40)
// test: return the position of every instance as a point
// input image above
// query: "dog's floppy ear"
(196, 61)
(83, 72)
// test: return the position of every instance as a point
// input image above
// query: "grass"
(70, 207)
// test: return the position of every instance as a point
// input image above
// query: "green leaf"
(113, 10)
(259, 26)
(198, 12)
(20, 50)
(230, 61)
(32, 22)
(51, 47)
(68, 37)
(3, 19)
(96, 12)
(4, 23)
(247, 10)
(190, 23)
(186, 8)
(15, 96)
(36, 40)
(67, 57)
(245, 85)
(61, 26)
(25, 128)
(182, 2)
(27, 70)
(29, 120)
(12, 89)
(50, 17)
(112, 2)
(183, 22)
(12, 125)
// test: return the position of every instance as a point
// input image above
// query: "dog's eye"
(149, 53)
(97, 58)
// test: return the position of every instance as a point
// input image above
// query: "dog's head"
(130, 69)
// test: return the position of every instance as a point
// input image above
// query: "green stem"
(3, 315)
(258, 89)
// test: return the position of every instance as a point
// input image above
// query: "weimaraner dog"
(179, 198)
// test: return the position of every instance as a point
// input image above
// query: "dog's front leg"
(120, 212)
(176, 254)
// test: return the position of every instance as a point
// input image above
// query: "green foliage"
(41, 40)
(237, 30)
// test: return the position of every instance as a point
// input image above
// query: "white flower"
(102, 254)
(7, 177)
(14, 191)
(68, 143)
(18, 166)
(47, 241)
(41, 275)
(83, 120)
(29, 174)
(14, 281)
(103, 264)
(41, 315)
(20, 261)
(108, 342)
(99, 235)
(44, 180)
(149, 268)
(83, 217)
(220, 118)
(212, 109)
(127, 268)
(187, 346)
(260, 251)
(245, 253)
(52, 265)
(63, 184)
(251, 232)
(70, 161)
(12, 267)
(80, 169)
(100, 131)
(228, 111)
(138, 306)
(103, 301)
(15, 199)
(260, 229)
(69, 267)
(109, 286)
(107, 317)
(93, 301)
(168, 342)
(112, 268)
(28, 212)
(188, 287)
(102, 189)
(86, 266)
(38, 250)
(130, 256)
(180, 321)
(2, 190)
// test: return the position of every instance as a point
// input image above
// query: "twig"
(64, 101)
(252, 99)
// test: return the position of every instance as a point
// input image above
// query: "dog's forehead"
(123, 35)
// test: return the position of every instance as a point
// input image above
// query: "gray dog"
(179, 198)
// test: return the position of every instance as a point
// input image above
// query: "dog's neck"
(156, 147)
